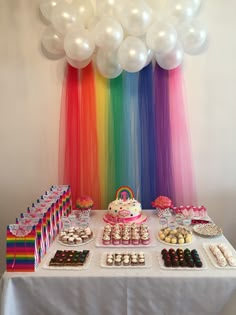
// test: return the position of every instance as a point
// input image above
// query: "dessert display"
(181, 258)
(222, 255)
(73, 258)
(180, 235)
(207, 230)
(125, 208)
(126, 259)
(126, 234)
(75, 236)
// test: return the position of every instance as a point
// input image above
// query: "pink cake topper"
(124, 192)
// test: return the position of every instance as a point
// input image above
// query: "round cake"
(125, 208)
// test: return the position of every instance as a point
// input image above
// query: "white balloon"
(108, 7)
(92, 22)
(84, 10)
(132, 54)
(150, 55)
(156, 5)
(181, 11)
(78, 64)
(172, 59)
(108, 33)
(53, 42)
(161, 37)
(193, 37)
(150, 52)
(78, 25)
(135, 17)
(79, 45)
(63, 17)
(197, 4)
(108, 64)
(47, 6)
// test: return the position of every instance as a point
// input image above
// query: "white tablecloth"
(102, 291)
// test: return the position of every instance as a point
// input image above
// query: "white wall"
(211, 94)
(30, 94)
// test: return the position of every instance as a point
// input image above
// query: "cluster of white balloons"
(122, 35)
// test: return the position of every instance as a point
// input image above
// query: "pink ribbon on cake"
(122, 220)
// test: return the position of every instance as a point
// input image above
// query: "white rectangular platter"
(148, 262)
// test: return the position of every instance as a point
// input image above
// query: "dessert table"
(127, 291)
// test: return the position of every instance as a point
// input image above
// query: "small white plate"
(148, 263)
(75, 245)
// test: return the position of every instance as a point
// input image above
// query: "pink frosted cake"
(124, 208)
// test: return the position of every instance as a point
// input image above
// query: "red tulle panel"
(88, 157)
(71, 126)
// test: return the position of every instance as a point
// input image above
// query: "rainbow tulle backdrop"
(131, 130)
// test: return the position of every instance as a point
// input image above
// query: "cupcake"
(135, 239)
(109, 261)
(106, 239)
(116, 239)
(118, 260)
(78, 240)
(126, 239)
(88, 231)
(84, 238)
(134, 261)
(143, 228)
(145, 239)
(71, 240)
(61, 235)
(126, 260)
(141, 261)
